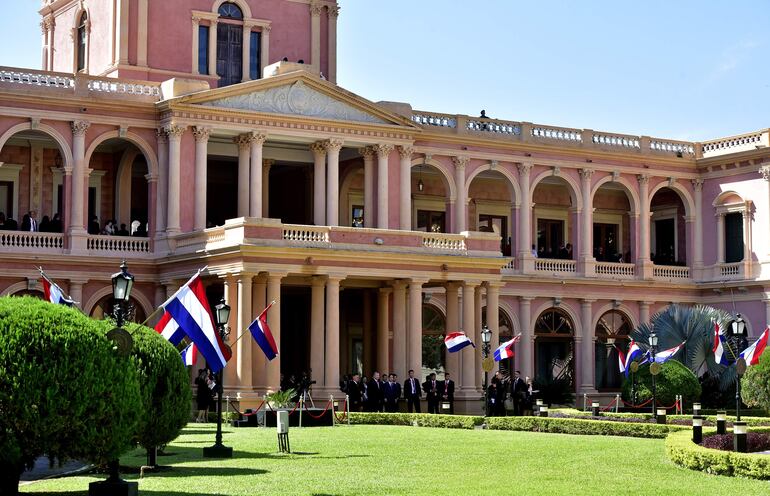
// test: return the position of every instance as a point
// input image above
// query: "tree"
(65, 392)
(755, 384)
(674, 379)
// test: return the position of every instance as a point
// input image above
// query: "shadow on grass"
(193, 432)
(143, 492)
(204, 472)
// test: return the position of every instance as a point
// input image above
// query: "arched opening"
(555, 219)
(433, 349)
(554, 347)
(732, 213)
(82, 42)
(352, 201)
(118, 190)
(613, 229)
(31, 190)
(668, 231)
(230, 44)
(490, 207)
(612, 332)
(104, 309)
(430, 195)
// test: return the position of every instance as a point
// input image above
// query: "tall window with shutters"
(230, 44)
(82, 40)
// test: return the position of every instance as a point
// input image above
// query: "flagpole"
(162, 308)
(68, 296)
(243, 332)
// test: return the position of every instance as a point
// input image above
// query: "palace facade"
(217, 133)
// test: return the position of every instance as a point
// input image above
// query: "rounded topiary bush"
(65, 392)
(674, 379)
(755, 384)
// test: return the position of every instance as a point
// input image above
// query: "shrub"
(755, 384)
(419, 419)
(673, 379)
(683, 452)
(581, 427)
(755, 441)
(66, 393)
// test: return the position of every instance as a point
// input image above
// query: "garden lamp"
(222, 314)
(739, 325)
(122, 282)
(486, 335)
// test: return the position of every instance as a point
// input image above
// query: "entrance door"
(606, 242)
(733, 237)
(665, 253)
(554, 359)
(229, 53)
(550, 237)
(497, 224)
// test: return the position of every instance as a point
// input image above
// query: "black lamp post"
(653, 340)
(486, 338)
(738, 326)
(122, 283)
(219, 450)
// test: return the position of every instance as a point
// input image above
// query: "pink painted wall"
(64, 47)
(100, 45)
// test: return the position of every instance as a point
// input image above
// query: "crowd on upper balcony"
(29, 223)
(112, 228)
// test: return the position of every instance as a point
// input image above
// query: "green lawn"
(414, 460)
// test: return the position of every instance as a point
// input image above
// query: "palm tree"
(695, 327)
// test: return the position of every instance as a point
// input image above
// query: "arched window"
(82, 38)
(229, 10)
(230, 45)
(554, 346)
(612, 332)
(433, 349)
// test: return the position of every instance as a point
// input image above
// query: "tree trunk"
(152, 457)
(9, 480)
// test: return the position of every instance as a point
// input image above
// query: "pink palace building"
(217, 133)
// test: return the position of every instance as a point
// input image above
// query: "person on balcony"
(29, 222)
(122, 231)
(93, 226)
(56, 225)
(534, 251)
(599, 254)
(45, 224)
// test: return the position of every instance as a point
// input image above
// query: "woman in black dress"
(202, 395)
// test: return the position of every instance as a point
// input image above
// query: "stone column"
(161, 201)
(767, 310)
(643, 258)
(315, 35)
(400, 366)
(526, 345)
(244, 145)
(319, 183)
(255, 174)
(333, 147)
(644, 312)
(405, 187)
(79, 191)
(525, 212)
(174, 133)
(258, 360)
(273, 371)
(76, 291)
(493, 315)
(266, 165)
(475, 335)
(243, 347)
(213, 47)
(746, 217)
(265, 48)
(201, 175)
(720, 239)
(698, 241)
(461, 202)
(414, 332)
(141, 44)
(383, 152)
(469, 320)
(196, 21)
(332, 365)
(367, 362)
(317, 314)
(245, 59)
(231, 298)
(453, 325)
(586, 360)
(383, 358)
(334, 11)
(586, 224)
(367, 153)
(765, 171)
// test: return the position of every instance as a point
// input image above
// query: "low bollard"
(282, 428)
(740, 432)
(696, 408)
(543, 411)
(536, 411)
(697, 429)
(661, 415)
(722, 422)
(595, 408)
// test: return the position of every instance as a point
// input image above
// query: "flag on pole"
(666, 355)
(633, 352)
(53, 292)
(169, 329)
(753, 352)
(719, 341)
(456, 341)
(505, 350)
(621, 360)
(189, 354)
(262, 335)
(190, 310)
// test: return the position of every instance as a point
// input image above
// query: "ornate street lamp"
(739, 327)
(122, 283)
(486, 338)
(654, 366)
(219, 450)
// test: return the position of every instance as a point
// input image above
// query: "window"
(6, 198)
(229, 10)
(254, 61)
(606, 243)
(733, 237)
(357, 214)
(203, 49)
(611, 336)
(82, 37)
(550, 238)
(430, 221)
(497, 224)
(433, 349)
(554, 354)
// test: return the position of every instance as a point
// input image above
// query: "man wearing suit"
(375, 393)
(392, 392)
(518, 391)
(412, 393)
(430, 386)
(354, 393)
(446, 390)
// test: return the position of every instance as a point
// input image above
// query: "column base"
(644, 269)
(78, 241)
(526, 263)
(587, 266)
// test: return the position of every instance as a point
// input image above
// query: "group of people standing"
(29, 223)
(517, 391)
(206, 388)
(383, 393)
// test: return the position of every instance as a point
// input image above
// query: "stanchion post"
(347, 407)
(585, 402)
(697, 429)
(617, 403)
(595, 409)
(740, 432)
(661, 415)
(301, 407)
(721, 422)
(334, 410)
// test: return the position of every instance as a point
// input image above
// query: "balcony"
(54, 244)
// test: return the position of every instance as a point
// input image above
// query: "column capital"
(151, 178)
(460, 161)
(318, 148)
(524, 167)
(453, 285)
(385, 291)
(382, 149)
(643, 179)
(272, 276)
(335, 278)
(399, 283)
(526, 299)
(175, 131)
(201, 134)
(471, 284)
(495, 285)
(333, 145)
(765, 171)
(315, 8)
(405, 151)
(162, 135)
(585, 174)
(267, 163)
(79, 128)
(418, 280)
(317, 281)
(367, 152)
(243, 141)
(697, 184)
(334, 12)
(586, 301)
(257, 137)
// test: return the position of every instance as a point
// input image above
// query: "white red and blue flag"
(169, 329)
(262, 335)
(54, 293)
(752, 353)
(189, 354)
(634, 351)
(719, 345)
(621, 360)
(190, 310)
(505, 350)
(666, 355)
(456, 341)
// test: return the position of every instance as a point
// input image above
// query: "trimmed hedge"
(581, 427)
(419, 419)
(674, 378)
(683, 452)
(751, 421)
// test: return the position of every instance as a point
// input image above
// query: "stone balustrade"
(740, 143)
(616, 141)
(614, 270)
(555, 266)
(731, 270)
(444, 242)
(31, 241)
(557, 134)
(32, 77)
(117, 245)
(306, 235)
(677, 147)
(670, 272)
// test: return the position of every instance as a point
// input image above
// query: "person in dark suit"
(446, 390)
(375, 393)
(430, 386)
(412, 393)
(354, 393)
(392, 393)
(519, 393)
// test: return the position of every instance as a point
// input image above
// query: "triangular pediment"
(296, 94)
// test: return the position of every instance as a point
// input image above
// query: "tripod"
(306, 396)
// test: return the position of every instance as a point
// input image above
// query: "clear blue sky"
(686, 69)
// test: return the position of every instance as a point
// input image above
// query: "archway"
(668, 229)
(490, 209)
(554, 347)
(611, 332)
(555, 218)
(433, 349)
(614, 224)
(431, 198)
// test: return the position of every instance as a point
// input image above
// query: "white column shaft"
(399, 329)
(369, 215)
(213, 48)
(78, 176)
(243, 347)
(201, 179)
(414, 333)
(587, 347)
(243, 180)
(317, 315)
(332, 183)
(383, 358)
(255, 176)
(382, 190)
(468, 362)
(720, 238)
(273, 368)
(332, 365)
(319, 184)
(527, 344)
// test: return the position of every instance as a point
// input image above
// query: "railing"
(617, 270)
(555, 265)
(306, 235)
(499, 127)
(733, 144)
(630, 142)
(442, 241)
(435, 120)
(105, 85)
(671, 272)
(32, 240)
(36, 78)
(555, 133)
(677, 147)
(510, 265)
(125, 244)
(730, 269)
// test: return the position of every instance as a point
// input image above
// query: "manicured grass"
(364, 459)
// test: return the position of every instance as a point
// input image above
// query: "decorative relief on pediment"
(297, 99)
